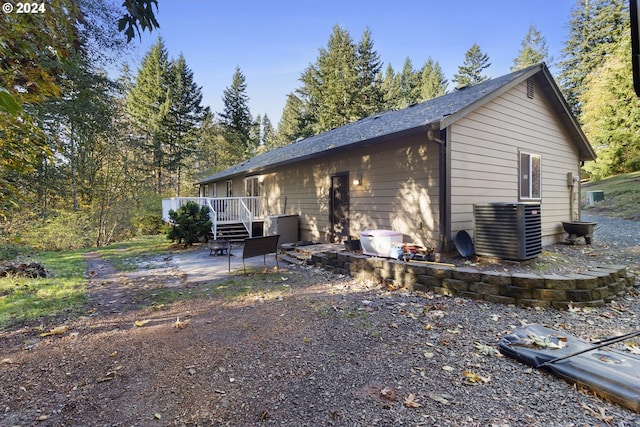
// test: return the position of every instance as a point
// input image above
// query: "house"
(420, 170)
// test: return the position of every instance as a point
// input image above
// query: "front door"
(339, 207)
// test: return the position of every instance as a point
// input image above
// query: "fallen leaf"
(487, 350)
(411, 402)
(180, 324)
(441, 398)
(157, 416)
(473, 378)
(59, 330)
(447, 368)
(141, 323)
(388, 393)
(599, 414)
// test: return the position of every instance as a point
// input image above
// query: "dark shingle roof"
(441, 111)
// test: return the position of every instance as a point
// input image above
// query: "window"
(229, 188)
(530, 176)
(252, 186)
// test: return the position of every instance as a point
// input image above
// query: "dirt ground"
(301, 348)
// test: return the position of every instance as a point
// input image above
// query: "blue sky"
(274, 41)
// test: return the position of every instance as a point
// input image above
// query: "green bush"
(61, 231)
(190, 224)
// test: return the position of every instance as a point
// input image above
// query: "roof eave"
(422, 129)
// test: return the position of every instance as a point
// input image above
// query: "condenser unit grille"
(508, 230)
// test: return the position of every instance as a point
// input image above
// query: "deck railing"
(222, 209)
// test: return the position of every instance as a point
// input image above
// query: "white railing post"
(213, 215)
(246, 217)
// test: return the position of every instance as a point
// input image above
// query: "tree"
(391, 90)
(409, 84)
(74, 123)
(236, 117)
(191, 224)
(596, 26)
(214, 151)
(342, 86)
(368, 66)
(294, 122)
(611, 115)
(267, 134)
(432, 81)
(148, 104)
(138, 12)
(470, 72)
(336, 89)
(184, 117)
(534, 50)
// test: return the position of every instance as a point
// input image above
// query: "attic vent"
(530, 89)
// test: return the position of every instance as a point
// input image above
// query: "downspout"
(444, 225)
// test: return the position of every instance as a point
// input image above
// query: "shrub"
(191, 224)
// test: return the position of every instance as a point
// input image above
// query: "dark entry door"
(339, 207)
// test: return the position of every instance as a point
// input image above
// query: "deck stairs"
(233, 232)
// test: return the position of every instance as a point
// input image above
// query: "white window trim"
(530, 157)
(249, 181)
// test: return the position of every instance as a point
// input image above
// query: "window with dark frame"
(530, 176)
(229, 188)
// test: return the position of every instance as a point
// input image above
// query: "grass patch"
(621, 193)
(64, 292)
(129, 254)
(254, 284)
(264, 284)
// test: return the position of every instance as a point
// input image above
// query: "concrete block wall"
(591, 288)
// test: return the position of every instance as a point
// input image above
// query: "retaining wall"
(591, 288)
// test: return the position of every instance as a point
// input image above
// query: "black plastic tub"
(610, 373)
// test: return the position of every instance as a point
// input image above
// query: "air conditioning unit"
(508, 230)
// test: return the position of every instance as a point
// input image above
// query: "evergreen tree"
(470, 72)
(534, 50)
(267, 133)
(596, 26)
(342, 86)
(294, 122)
(432, 81)
(183, 119)
(391, 90)
(368, 66)
(148, 104)
(236, 117)
(215, 151)
(409, 84)
(336, 92)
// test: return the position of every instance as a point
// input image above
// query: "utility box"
(379, 242)
(510, 231)
(284, 225)
(595, 196)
